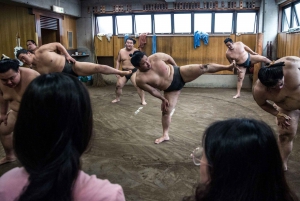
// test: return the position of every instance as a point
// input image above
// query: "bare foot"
(236, 96)
(115, 101)
(123, 73)
(7, 160)
(161, 139)
(144, 103)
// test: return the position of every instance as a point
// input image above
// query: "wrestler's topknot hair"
(136, 58)
(21, 51)
(134, 41)
(7, 64)
(269, 75)
(228, 40)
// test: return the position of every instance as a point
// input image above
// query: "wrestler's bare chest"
(285, 99)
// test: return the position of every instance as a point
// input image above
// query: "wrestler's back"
(288, 97)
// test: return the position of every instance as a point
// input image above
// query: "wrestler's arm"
(154, 92)
(166, 58)
(51, 47)
(248, 49)
(229, 58)
(63, 51)
(3, 109)
(118, 61)
(262, 102)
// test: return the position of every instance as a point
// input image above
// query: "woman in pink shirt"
(53, 129)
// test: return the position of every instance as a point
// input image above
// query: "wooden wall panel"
(289, 42)
(281, 45)
(69, 25)
(295, 44)
(119, 43)
(181, 48)
(104, 47)
(15, 20)
(249, 40)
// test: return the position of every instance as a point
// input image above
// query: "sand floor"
(123, 148)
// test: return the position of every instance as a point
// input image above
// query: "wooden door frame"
(45, 13)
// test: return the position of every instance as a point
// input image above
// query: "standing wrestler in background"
(31, 45)
(280, 83)
(124, 59)
(244, 58)
(13, 82)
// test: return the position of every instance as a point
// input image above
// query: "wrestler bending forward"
(155, 75)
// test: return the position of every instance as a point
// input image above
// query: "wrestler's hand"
(283, 120)
(164, 105)
(3, 118)
(70, 59)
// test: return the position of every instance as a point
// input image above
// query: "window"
(124, 24)
(223, 22)
(246, 23)
(143, 24)
(286, 19)
(182, 23)
(297, 10)
(213, 22)
(162, 23)
(202, 22)
(104, 24)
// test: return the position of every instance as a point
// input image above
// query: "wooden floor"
(123, 148)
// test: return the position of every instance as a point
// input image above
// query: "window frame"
(234, 21)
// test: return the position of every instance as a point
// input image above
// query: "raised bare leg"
(86, 68)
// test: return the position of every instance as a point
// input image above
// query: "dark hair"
(7, 64)
(270, 75)
(53, 129)
(245, 163)
(136, 58)
(228, 40)
(21, 51)
(134, 41)
(33, 42)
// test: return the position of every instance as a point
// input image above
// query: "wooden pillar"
(259, 49)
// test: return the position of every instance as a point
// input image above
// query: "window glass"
(295, 22)
(286, 19)
(143, 24)
(297, 10)
(182, 23)
(124, 24)
(105, 24)
(202, 22)
(223, 22)
(246, 23)
(162, 23)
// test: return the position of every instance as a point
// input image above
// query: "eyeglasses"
(197, 156)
